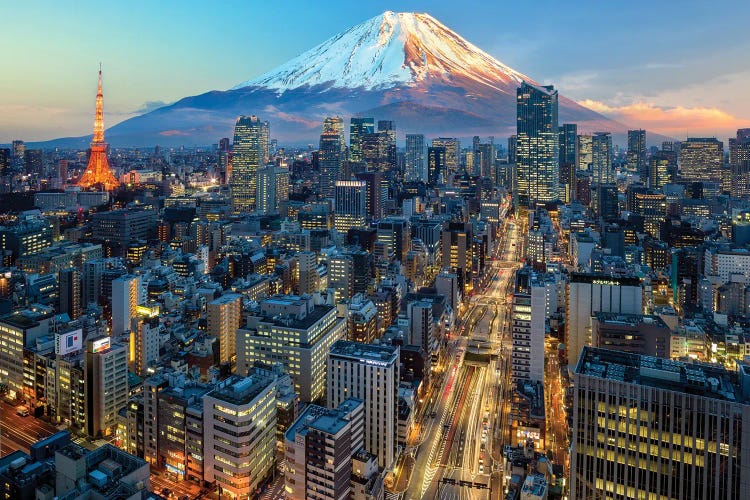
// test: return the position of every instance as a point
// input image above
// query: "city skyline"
(675, 82)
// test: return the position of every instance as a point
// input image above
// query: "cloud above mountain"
(672, 121)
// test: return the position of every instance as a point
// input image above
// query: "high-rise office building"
(239, 434)
(537, 147)
(659, 173)
(602, 171)
(387, 128)
(436, 173)
(583, 152)
(415, 158)
(247, 158)
(739, 163)
(701, 159)
(350, 205)
(369, 372)
(223, 317)
(319, 448)
(457, 250)
(647, 427)
(273, 187)
(106, 372)
(332, 148)
(126, 294)
(358, 127)
(452, 161)
(592, 293)
(376, 192)
(568, 133)
(636, 154)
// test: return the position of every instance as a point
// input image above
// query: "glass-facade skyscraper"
(537, 148)
(247, 158)
(332, 146)
(601, 158)
(636, 154)
(359, 127)
(415, 158)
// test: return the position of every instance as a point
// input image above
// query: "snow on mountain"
(387, 50)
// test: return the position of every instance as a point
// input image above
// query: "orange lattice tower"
(98, 172)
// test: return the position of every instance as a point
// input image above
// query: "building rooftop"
(366, 353)
(323, 419)
(629, 319)
(238, 390)
(704, 379)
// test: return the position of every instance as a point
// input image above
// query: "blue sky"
(671, 62)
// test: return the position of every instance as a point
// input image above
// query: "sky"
(675, 67)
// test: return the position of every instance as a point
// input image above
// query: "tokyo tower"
(98, 173)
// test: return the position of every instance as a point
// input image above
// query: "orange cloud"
(670, 121)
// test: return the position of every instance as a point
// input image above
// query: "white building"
(369, 372)
(125, 299)
(591, 293)
(534, 298)
(239, 434)
(725, 263)
(106, 372)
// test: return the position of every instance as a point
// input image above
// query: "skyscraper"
(701, 159)
(739, 162)
(273, 187)
(387, 128)
(358, 127)
(457, 249)
(583, 152)
(247, 157)
(568, 155)
(97, 172)
(416, 158)
(452, 161)
(436, 165)
(601, 158)
(636, 154)
(537, 149)
(332, 143)
(350, 205)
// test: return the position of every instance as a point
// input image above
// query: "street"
(19, 433)
(462, 443)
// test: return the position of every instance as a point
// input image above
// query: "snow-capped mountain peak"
(389, 50)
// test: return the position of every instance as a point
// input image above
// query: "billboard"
(68, 342)
(100, 345)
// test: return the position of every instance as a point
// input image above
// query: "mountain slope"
(405, 67)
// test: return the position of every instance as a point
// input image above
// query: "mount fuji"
(406, 67)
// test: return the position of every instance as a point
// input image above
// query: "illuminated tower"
(98, 171)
